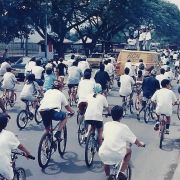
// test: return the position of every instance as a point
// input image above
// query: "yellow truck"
(149, 58)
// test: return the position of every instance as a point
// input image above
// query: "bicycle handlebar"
(23, 154)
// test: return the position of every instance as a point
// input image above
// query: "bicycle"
(92, 146)
(19, 173)
(115, 172)
(82, 130)
(48, 144)
(73, 96)
(162, 129)
(24, 116)
(7, 99)
(127, 104)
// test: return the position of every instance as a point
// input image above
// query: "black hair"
(61, 59)
(165, 82)
(128, 60)
(101, 67)
(30, 78)
(72, 56)
(140, 60)
(33, 59)
(87, 74)
(139, 73)
(75, 63)
(106, 62)
(38, 62)
(179, 89)
(3, 121)
(48, 71)
(8, 69)
(126, 70)
(162, 70)
(117, 113)
(167, 63)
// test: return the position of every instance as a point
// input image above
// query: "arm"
(22, 148)
(68, 108)
(139, 143)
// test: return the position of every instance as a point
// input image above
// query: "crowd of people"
(92, 92)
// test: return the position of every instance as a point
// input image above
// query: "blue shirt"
(48, 81)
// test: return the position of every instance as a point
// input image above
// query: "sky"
(177, 2)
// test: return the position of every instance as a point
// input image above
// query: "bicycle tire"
(162, 129)
(81, 132)
(37, 116)
(14, 100)
(178, 111)
(147, 115)
(48, 152)
(22, 117)
(131, 107)
(124, 108)
(90, 142)
(20, 174)
(63, 142)
(78, 115)
(129, 172)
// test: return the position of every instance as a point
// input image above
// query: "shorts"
(48, 116)
(82, 107)
(72, 85)
(40, 82)
(95, 124)
(28, 98)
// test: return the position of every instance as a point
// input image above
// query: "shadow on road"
(171, 144)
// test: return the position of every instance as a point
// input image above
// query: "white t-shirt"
(37, 71)
(131, 68)
(53, 98)
(160, 77)
(148, 36)
(95, 107)
(131, 42)
(177, 63)
(142, 36)
(116, 136)
(109, 68)
(8, 142)
(126, 85)
(4, 67)
(175, 56)
(83, 65)
(169, 75)
(49, 65)
(9, 81)
(164, 99)
(29, 90)
(29, 66)
(74, 75)
(85, 88)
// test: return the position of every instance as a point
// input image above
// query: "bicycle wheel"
(178, 111)
(78, 116)
(37, 116)
(131, 106)
(137, 104)
(62, 143)
(162, 129)
(81, 132)
(124, 106)
(147, 115)
(20, 174)
(128, 172)
(22, 119)
(90, 150)
(45, 150)
(14, 100)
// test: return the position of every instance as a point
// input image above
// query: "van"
(149, 59)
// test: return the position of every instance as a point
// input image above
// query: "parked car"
(19, 67)
(95, 59)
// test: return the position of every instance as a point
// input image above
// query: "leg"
(107, 169)
(100, 132)
(126, 160)
(62, 124)
(12, 96)
(168, 121)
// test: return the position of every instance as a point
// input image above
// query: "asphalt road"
(148, 163)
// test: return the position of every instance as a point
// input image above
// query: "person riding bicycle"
(49, 79)
(62, 68)
(164, 98)
(86, 87)
(149, 86)
(74, 76)
(8, 83)
(51, 107)
(8, 142)
(83, 64)
(161, 76)
(102, 77)
(30, 90)
(126, 83)
(93, 115)
(115, 147)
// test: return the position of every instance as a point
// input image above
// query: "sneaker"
(57, 135)
(167, 131)
(156, 126)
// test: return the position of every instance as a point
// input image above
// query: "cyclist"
(61, 68)
(149, 86)
(83, 64)
(102, 78)
(74, 76)
(93, 115)
(4, 66)
(51, 105)
(49, 79)
(8, 142)
(29, 66)
(86, 87)
(126, 83)
(161, 76)
(30, 89)
(38, 71)
(164, 98)
(8, 82)
(115, 146)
